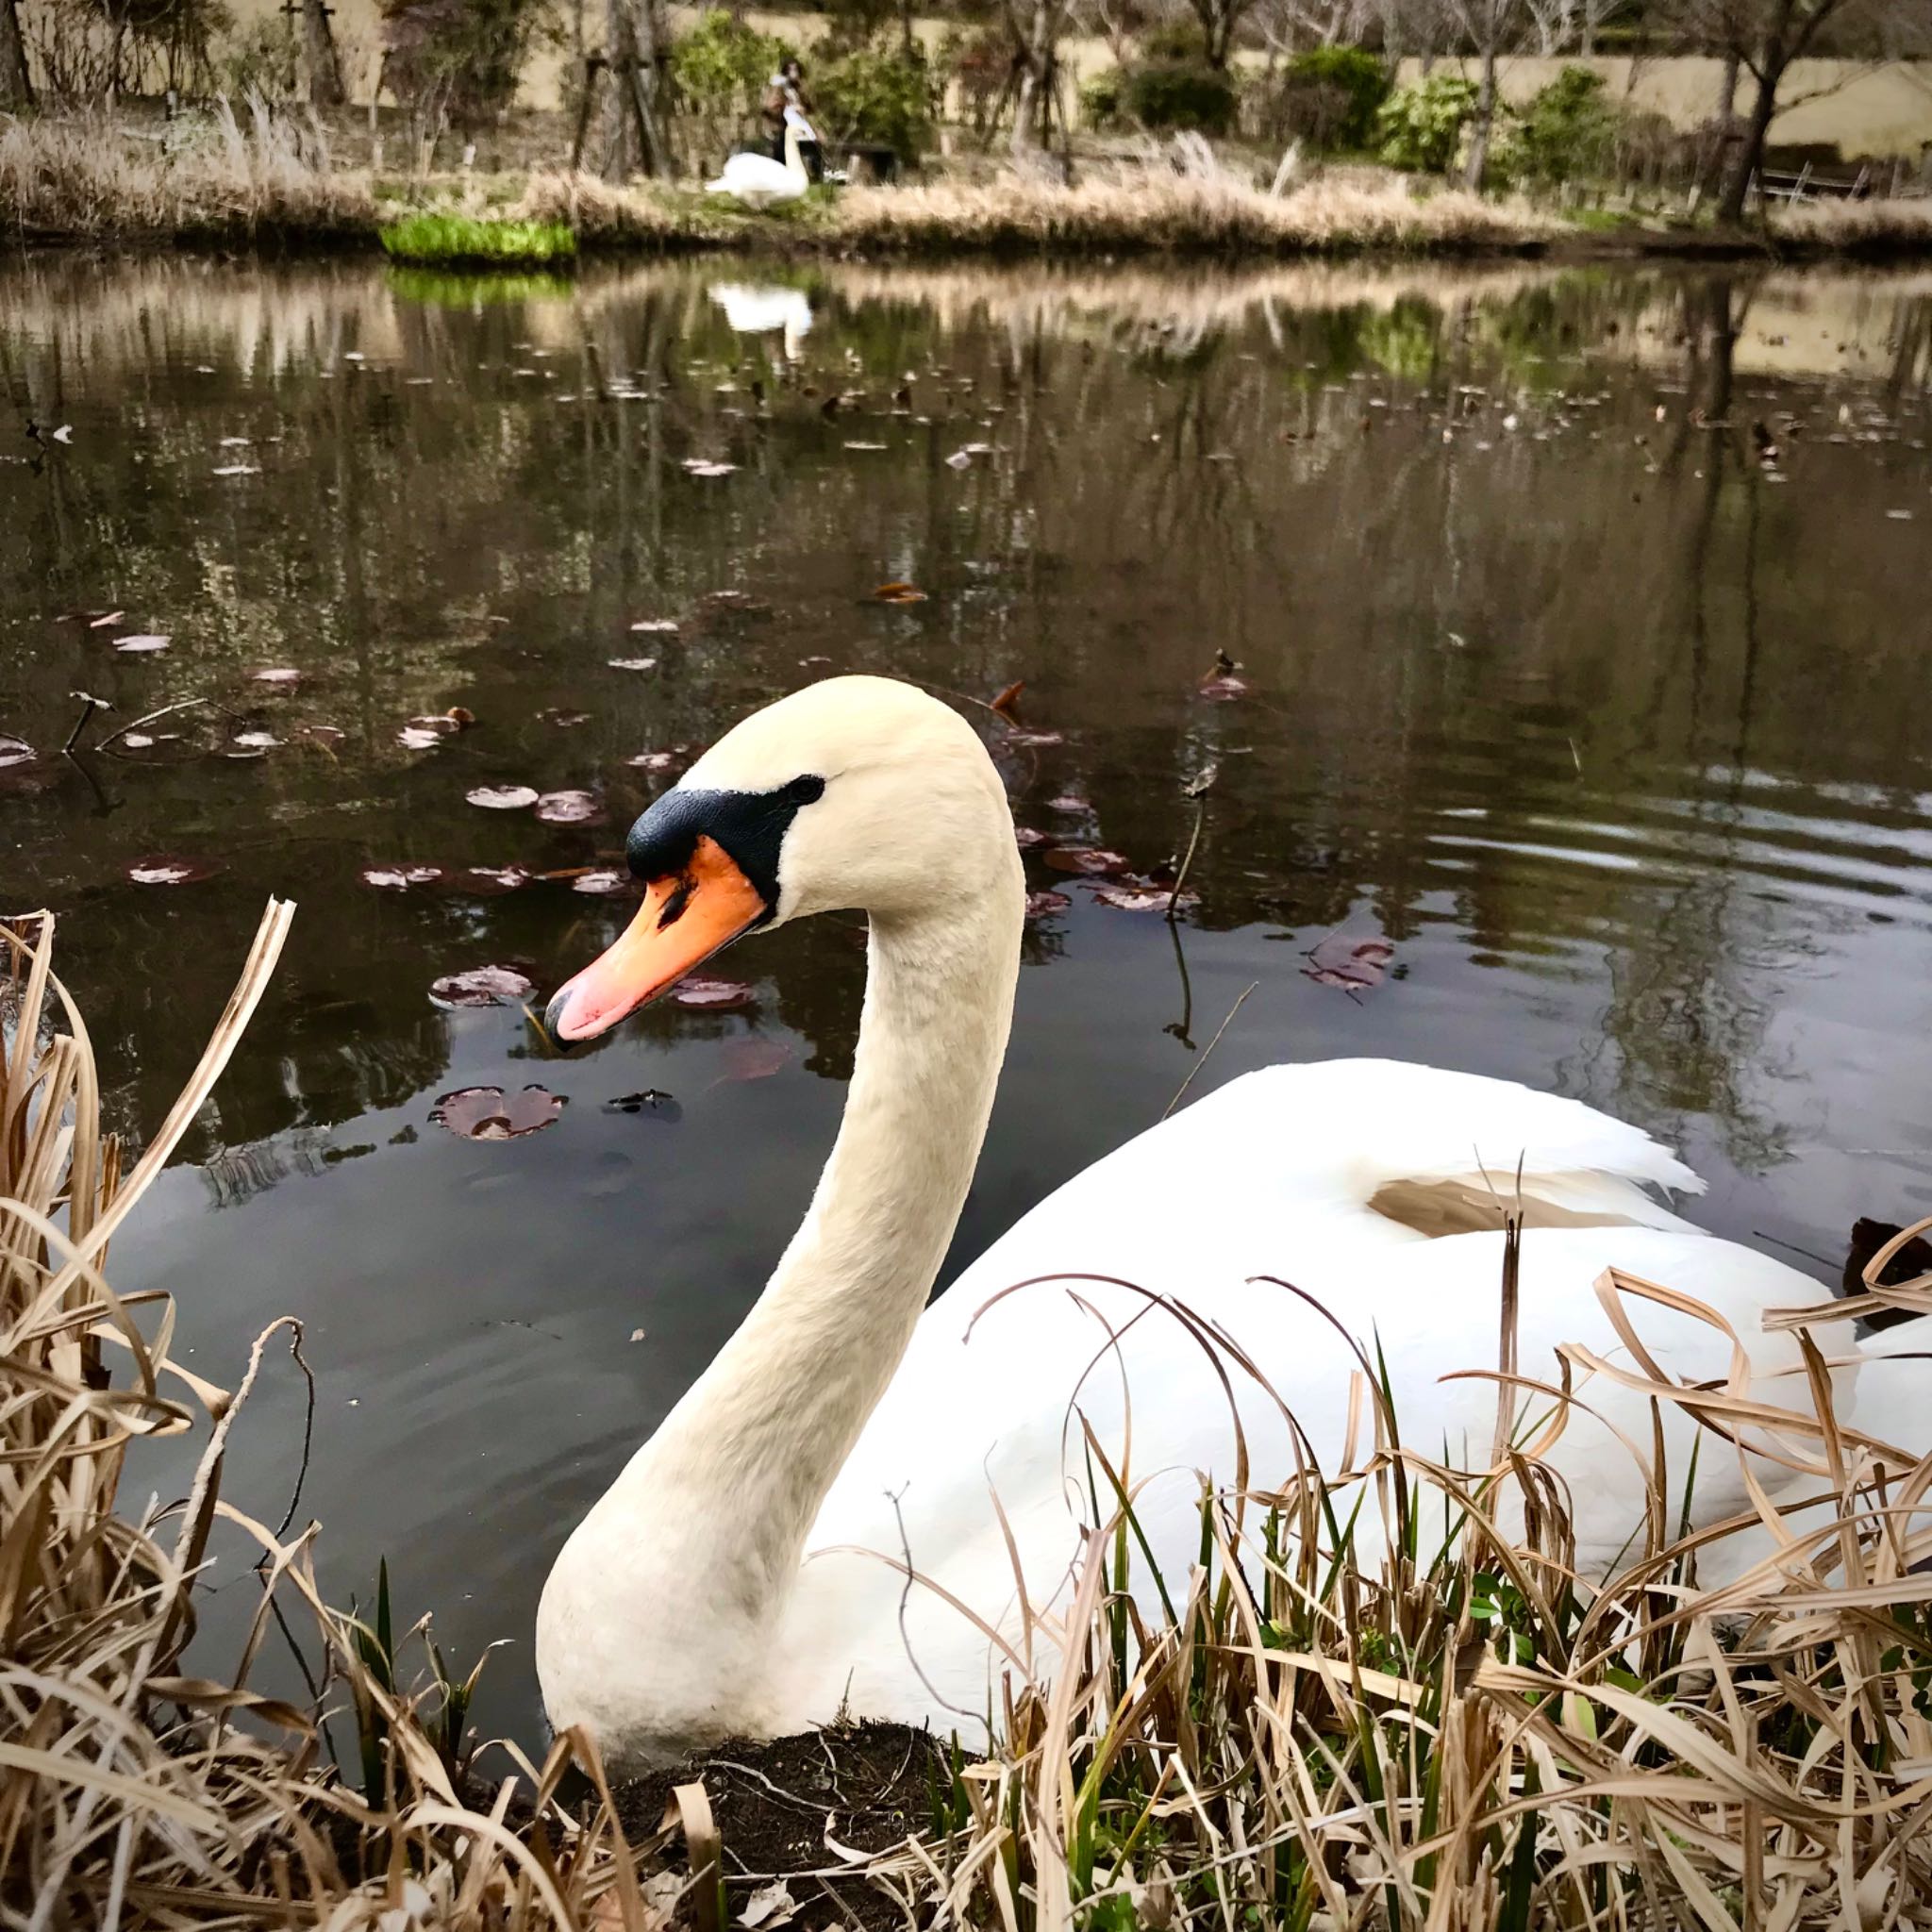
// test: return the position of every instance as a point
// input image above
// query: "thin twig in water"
(307, 1429)
(90, 705)
(1181, 1091)
(1198, 789)
(135, 723)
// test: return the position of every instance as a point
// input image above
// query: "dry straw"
(1312, 1730)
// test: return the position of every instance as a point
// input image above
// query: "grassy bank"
(268, 183)
(1312, 1731)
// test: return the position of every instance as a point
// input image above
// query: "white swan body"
(759, 181)
(744, 1574)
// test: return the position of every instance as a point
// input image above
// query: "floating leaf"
(418, 738)
(1028, 840)
(1220, 684)
(1025, 736)
(488, 1113)
(489, 880)
(656, 626)
(570, 808)
(718, 996)
(105, 618)
(653, 760)
(482, 986)
(1355, 965)
(280, 675)
(14, 751)
(695, 466)
(324, 735)
(564, 721)
(899, 591)
(1039, 903)
(654, 1106)
(1068, 801)
(239, 470)
(1007, 702)
(162, 868)
(502, 797)
(257, 741)
(1086, 860)
(754, 1058)
(603, 882)
(633, 663)
(400, 878)
(144, 643)
(1141, 895)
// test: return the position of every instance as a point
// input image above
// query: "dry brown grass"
(1856, 228)
(87, 178)
(132, 1794)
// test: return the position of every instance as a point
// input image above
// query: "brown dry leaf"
(899, 591)
(1007, 702)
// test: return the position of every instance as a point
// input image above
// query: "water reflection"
(1579, 620)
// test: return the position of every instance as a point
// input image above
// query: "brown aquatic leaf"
(1086, 860)
(698, 466)
(489, 1113)
(632, 664)
(654, 760)
(482, 986)
(1039, 903)
(14, 751)
(717, 996)
(1028, 840)
(604, 882)
(898, 591)
(257, 741)
(105, 618)
(400, 878)
(418, 738)
(502, 797)
(166, 869)
(1355, 965)
(144, 643)
(754, 1058)
(564, 721)
(277, 674)
(1068, 801)
(661, 627)
(570, 808)
(1220, 684)
(324, 735)
(1007, 702)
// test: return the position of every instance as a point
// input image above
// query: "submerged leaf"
(652, 1103)
(164, 869)
(754, 1058)
(1355, 965)
(720, 995)
(488, 1113)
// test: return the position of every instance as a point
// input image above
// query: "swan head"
(854, 793)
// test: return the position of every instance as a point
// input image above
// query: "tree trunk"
(1479, 163)
(1036, 62)
(1727, 86)
(326, 88)
(16, 86)
(633, 123)
(1749, 158)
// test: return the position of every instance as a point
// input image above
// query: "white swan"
(715, 1588)
(760, 182)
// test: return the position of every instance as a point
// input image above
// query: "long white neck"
(702, 1534)
(794, 154)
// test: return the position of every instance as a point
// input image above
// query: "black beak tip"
(553, 1016)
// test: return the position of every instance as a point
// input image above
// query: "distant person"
(784, 97)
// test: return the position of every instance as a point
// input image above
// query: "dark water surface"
(1613, 724)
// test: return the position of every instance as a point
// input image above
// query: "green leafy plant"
(452, 238)
(721, 65)
(875, 92)
(1329, 97)
(1419, 128)
(1568, 130)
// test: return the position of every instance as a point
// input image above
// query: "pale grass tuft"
(87, 178)
(1856, 228)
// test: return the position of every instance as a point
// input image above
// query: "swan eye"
(804, 791)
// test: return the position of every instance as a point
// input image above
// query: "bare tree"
(1220, 19)
(636, 43)
(1036, 27)
(1287, 25)
(1492, 27)
(1764, 38)
(325, 88)
(16, 86)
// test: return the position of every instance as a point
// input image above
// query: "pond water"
(1581, 622)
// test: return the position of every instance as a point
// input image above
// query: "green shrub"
(445, 238)
(1177, 95)
(1419, 128)
(1335, 92)
(1568, 130)
(875, 93)
(721, 65)
(1100, 97)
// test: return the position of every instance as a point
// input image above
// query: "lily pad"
(14, 751)
(603, 882)
(1028, 840)
(502, 797)
(633, 663)
(482, 986)
(570, 808)
(1141, 895)
(1086, 860)
(489, 880)
(400, 878)
(277, 674)
(1039, 903)
(144, 643)
(658, 627)
(489, 1113)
